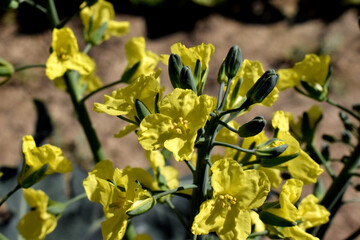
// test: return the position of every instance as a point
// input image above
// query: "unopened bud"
(141, 110)
(233, 61)
(6, 70)
(141, 206)
(263, 86)
(175, 66)
(187, 80)
(253, 127)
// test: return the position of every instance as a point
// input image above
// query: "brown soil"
(272, 44)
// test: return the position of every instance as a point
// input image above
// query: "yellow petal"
(35, 226)
(237, 225)
(211, 217)
(312, 214)
(303, 167)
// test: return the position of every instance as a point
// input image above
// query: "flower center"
(63, 54)
(228, 201)
(181, 126)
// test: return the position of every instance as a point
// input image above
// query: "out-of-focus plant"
(236, 195)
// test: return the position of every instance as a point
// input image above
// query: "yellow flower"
(314, 115)
(66, 56)
(117, 190)
(249, 72)
(135, 51)
(157, 162)
(189, 56)
(302, 167)
(98, 16)
(312, 69)
(122, 101)
(37, 223)
(309, 213)
(35, 158)
(182, 114)
(89, 83)
(235, 193)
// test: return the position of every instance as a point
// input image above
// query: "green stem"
(87, 48)
(172, 191)
(225, 94)
(17, 187)
(191, 167)
(52, 13)
(83, 116)
(178, 215)
(227, 126)
(343, 108)
(325, 163)
(32, 3)
(252, 151)
(75, 199)
(18, 69)
(100, 89)
(333, 197)
(128, 120)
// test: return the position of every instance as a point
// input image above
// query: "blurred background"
(275, 32)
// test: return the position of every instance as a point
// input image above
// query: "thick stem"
(201, 176)
(83, 116)
(333, 197)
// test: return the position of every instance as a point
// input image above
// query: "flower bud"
(263, 86)
(253, 127)
(233, 61)
(275, 220)
(6, 70)
(141, 110)
(141, 206)
(175, 66)
(329, 138)
(187, 80)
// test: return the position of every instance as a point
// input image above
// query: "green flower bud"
(266, 83)
(346, 121)
(271, 152)
(175, 66)
(329, 138)
(346, 137)
(187, 80)
(233, 61)
(141, 206)
(221, 74)
(141, 110)
(6, 70)
(253, 127)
